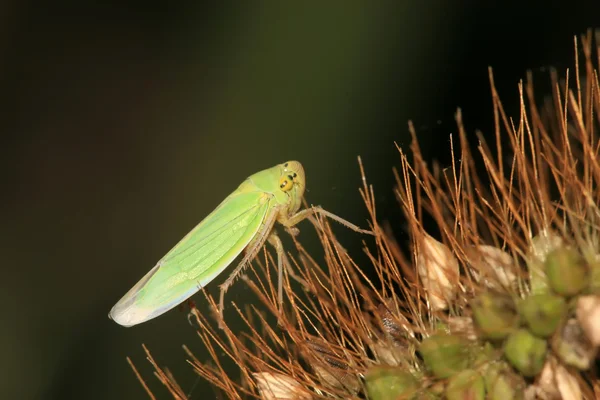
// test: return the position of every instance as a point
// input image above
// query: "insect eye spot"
(285, 184)
(291, 178)
(295, 174)
(285, 165)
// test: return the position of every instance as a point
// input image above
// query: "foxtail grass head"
(500, 301)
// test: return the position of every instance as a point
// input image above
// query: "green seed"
(595, 277)
(525, 352)
(484, 355)
(568, 272)
(541, 245)
(502, 383)
(543, 313)
(390, 383)
(445, 355)
(495, 315)
(468, 384)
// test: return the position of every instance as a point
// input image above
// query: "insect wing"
(196, 260)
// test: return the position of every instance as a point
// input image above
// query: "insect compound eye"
(285, 183)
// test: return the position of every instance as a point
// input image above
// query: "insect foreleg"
(309, 212)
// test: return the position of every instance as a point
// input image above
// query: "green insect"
(244, 220)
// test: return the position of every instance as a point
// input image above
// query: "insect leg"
(275, 241)
(251, 252)
(309, 212)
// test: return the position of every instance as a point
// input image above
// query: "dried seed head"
(463, 326)
(572, 346)
(556, 382)
(492, 266)
(330, 366)
(388, 353)
(588, 315)
(438, 270)
(543, 243)
(395, 325)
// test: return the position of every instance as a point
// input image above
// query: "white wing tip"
(129, 315)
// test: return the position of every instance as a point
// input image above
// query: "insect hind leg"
(251, 251)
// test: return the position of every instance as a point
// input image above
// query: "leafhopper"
(243, 221)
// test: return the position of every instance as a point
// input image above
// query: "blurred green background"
(123, 124)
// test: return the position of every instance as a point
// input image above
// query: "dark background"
(123, 125)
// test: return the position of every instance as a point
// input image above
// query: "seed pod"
(588, 315)
(466, 385)
(389, 353)
(543, 313)
(495, 315)
(463, 326)
(385, 383)
(568, 272)
(330, 365)
(492, 265)
(394, 324)
(445, 355)
(274, 386)
(525, 352)
(573, 347)
(438, 270)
